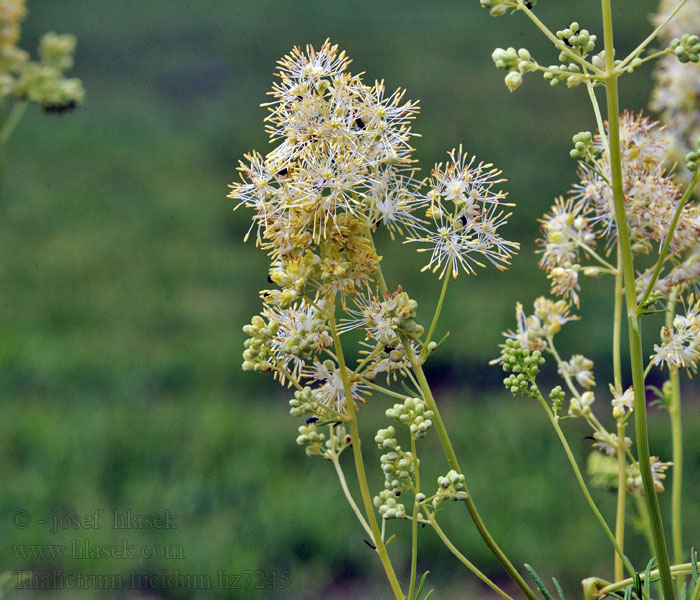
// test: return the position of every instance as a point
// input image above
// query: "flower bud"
(513, 80)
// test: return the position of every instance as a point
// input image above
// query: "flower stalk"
(359, 463)
(634, 328)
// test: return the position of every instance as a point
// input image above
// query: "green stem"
(621, 457)
(621, 499)
(617, 325)
(560, 365)
(351, 501)
(644, 521)
(450, 453)
(12, 121)
(598, 120)
(359, 462)
(414, 523)
(634, 328)
(585, 77)
(436, 316)
(465, 561)
(653, 56)
(597, 256)
(582, 483)
(674, 411)
(454, 463)
(680, 569)
(650, 38)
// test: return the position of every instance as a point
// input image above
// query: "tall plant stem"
(621, 458)
(450, 453)
(634, 326)
(454, 463)
(359, 462)
(674, 411)
(465, 561)
(351, 501)
(582, 483)
(621, 499)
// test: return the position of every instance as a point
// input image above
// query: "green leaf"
(558, 588)
(647, 575)
(540, 585)
(420, 586)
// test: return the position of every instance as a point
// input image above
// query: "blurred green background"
(125, 282)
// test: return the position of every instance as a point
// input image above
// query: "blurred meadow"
(125, 282)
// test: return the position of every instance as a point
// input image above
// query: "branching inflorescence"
(342, 168)
(24, 81)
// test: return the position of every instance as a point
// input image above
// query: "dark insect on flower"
(360, 123)
(60, 108)
(311, 420)
(528, 4)
(269, 279)
(463, 220)
(283, 172)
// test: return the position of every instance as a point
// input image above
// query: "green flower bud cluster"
(386, 438)
(516, 62)
(402, 312)
(310, 437)
(570, 73)
(306, 340)
(450, 486)
(581, 406)
(389, 507)
(43, 81)
(599, 61)
(405, 313)
(557, 398)
(692, 159)
(579, 40)
(497, 8)
(524, 366)
(583, 147)
(687, 48)
(399, 469)
(414, 415)
(256, 348)
(304, 403)
(57, 51)
(398, 466)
